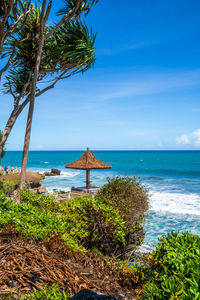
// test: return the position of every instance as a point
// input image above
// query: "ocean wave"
(69, 174)
(65, 175)
(177, 203)
(52, 188)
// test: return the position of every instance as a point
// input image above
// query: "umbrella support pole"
(87, 179)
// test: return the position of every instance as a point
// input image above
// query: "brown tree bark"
(1, 149)
(17, 111)
(10, 123)
(32, 98)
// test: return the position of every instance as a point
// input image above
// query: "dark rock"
(34, 185)
(38, 190)
(9, 283)
(49, 174)
(91, 295)
(55, 171)
(35, 278)
(41, 189)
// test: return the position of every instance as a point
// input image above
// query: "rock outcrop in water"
(54, 172)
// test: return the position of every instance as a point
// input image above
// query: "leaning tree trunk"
(27, 143)
(32, 98)
(1, 150)
(10, 123)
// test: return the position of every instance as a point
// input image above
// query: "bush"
(92, 222)
(8, 186)
(42, 201)
(83, 223)
(130, 198)
(174, 268)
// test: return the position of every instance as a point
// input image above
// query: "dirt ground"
(26, 265)
(30, 176)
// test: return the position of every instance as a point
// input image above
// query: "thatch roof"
(88, 161)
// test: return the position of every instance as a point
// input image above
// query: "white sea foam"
(69, 174)
(51, 189)
(177, 203)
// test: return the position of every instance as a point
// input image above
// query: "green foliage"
(174, 268)
(84, 6)
(42, 201)
(4, 148)
(92, 222)
(70, 49)
(61, 192)
(83, 223)
(8, 186)
(53, 292)
(128, 196)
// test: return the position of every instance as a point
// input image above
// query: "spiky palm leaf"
(84, 6)
(70, 48)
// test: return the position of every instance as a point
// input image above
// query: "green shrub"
(1, 185)
(43, 201)
(53, 292)
(174, 268)
(128, 196)
(61, 192)
(92, 222)
(8, 186)
(81, 222)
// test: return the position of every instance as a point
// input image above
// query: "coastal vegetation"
(172, 270)
(8, 186)
(93, 232)
(130, 198)
(9, 183)
(82, 223)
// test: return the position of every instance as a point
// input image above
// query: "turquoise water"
(172, 178)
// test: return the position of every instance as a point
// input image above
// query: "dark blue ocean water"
(172, 177)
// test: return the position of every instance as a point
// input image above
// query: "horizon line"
(43, 150)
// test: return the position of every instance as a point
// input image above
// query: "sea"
(171, 177)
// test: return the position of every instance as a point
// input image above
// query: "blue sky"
(143, 92)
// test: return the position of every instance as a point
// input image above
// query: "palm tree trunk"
(10, 123)
(32, 98)
(1, 150)
(26, 143)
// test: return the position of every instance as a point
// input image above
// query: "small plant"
(174, 269)
(8, 186)
(52, 292)
(61, 192)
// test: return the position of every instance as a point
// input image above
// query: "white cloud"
(192, 138)
(196, 136)
(183, 139)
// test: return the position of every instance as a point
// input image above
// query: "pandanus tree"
(57, 52)
(13, 15)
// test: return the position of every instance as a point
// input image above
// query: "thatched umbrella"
(88, 162)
